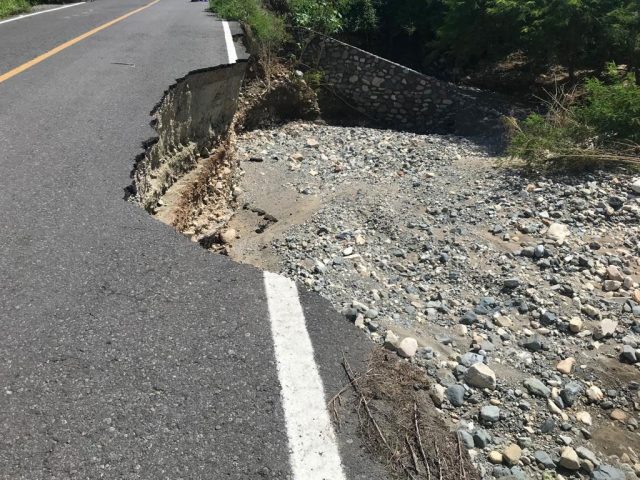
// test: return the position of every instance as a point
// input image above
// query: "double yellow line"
(73, 41)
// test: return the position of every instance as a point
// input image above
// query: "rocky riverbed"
(518, 295)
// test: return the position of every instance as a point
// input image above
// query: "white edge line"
(20, 17)
(312, 442)
(228, 39)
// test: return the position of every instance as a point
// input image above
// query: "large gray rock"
(466, 439)
(489, 414)
(455, 395)
(533, 343)
(511, 283)
(607, 472)
(537, 388)
(544, 459)
(470, 358)
(482, 438)
(570, 393)
(628, 355)
(584, 452)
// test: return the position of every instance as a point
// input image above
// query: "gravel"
(499, 277)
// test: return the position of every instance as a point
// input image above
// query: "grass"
(13, 7)
(268, 28)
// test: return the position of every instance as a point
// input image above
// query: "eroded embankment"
(192, 119)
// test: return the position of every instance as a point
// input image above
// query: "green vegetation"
(313, 78)
(331, 17)
(573, 33)
(597, 123)
(268, 27)
(576, 34)
(13, 7)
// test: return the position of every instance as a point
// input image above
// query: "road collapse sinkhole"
(186, 174)
(188, 177)
(187, 163)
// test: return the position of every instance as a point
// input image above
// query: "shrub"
(313, 78)
(596, 124)
(322, 16)
(613, 108)
(13, 7)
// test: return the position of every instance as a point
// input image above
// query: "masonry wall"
(396, 96)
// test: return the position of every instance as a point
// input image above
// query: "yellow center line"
(73, 41)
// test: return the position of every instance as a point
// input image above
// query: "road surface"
(126, 350)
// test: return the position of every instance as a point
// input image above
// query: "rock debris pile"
(519, 296)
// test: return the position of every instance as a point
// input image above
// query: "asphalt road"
(127, 351)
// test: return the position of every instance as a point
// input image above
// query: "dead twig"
(435, 446)
(398, 424)
(463, 475)
(363, 401)
(414, 457)
(353, 381)
(422, 454)
(346, 387)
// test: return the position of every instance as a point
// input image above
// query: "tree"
(573, 33)
(623, 35)
(477, 30)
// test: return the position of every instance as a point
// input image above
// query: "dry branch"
(395, 413)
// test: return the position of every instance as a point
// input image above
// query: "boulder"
(537, 388)
(489, 414)
(566, 366)
(558, 232)
(455, 395)
(511, 455)
(544, 459)
(575, 324)
(569, 459)
(607, 472)
(407, 347)
(437, 394)
(594, 393)
(480, 376)
(495, 457)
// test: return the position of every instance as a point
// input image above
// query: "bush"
(613, 108)
(322, 16)
(13, 7)
(314, 78)
(333, 16)
(598, 123)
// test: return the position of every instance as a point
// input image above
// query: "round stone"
(408, 347)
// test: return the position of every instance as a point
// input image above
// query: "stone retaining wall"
(396, 96)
